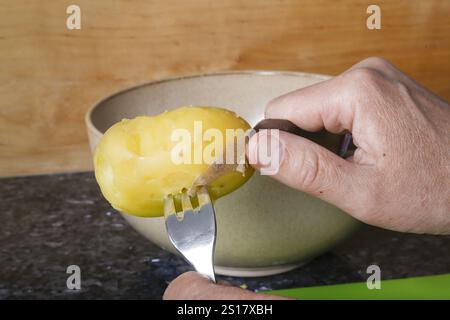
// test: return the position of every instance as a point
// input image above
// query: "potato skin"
(133, 164)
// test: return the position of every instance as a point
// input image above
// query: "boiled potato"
(134, 161)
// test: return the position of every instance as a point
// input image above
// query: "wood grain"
(50, 75)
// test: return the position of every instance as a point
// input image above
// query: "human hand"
(193, 286)
(399, 176)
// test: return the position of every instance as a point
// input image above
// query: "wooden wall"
(49, 76)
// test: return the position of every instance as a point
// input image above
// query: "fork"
(192, 231)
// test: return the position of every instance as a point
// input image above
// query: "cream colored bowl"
(264, 227)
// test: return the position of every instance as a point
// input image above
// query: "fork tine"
(203, 196)
(186, 204)
(169, 206)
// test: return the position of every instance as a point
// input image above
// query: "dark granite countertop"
(53, 221)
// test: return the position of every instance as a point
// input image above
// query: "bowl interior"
(245, 93)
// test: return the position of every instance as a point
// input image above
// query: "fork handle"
(340, 144)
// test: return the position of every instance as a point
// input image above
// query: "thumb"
(309, 167)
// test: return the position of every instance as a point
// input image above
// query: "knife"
(339, 144)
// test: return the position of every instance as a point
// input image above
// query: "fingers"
(193, 286)
(314, 107)
(333, 104)
(311, 168)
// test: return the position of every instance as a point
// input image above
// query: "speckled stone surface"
(53, 221)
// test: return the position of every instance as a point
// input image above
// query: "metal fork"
(192, 231)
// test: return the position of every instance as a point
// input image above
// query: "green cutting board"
(427, 287)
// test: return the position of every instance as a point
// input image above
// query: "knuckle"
(309, 173)
(364, 77)
(361, 84)
(402, 90)
(377, 63)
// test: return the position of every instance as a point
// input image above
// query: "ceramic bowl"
(263, 227)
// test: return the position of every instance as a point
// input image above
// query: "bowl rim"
(93, 129)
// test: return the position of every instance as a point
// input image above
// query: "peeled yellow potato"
(134, 160)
